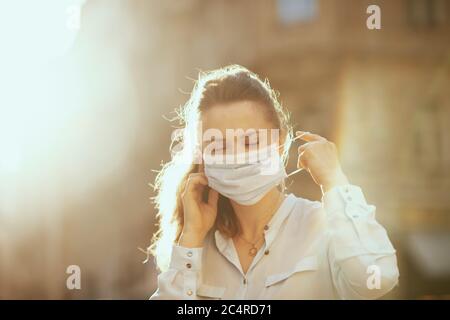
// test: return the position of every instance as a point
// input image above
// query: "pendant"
(252, 252)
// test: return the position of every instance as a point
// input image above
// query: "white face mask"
(249, 182)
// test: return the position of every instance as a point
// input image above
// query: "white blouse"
(333, 249)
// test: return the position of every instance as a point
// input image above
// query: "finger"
(196, 174)
(302, 161)
(303, 147)
(308, 136)
(196, 180)
(213, 197)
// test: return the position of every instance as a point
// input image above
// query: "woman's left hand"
(320, 158)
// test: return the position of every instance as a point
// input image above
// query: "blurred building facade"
(381, 95)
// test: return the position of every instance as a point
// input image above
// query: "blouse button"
(244, 281)
(188, 265)
(352, 211)
(189, 292)
(266, 252)
(189, 254)
(266, 227)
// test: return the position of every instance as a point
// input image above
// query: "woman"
(229, 231)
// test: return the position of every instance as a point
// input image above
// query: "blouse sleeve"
(362, 259)
(180, 280)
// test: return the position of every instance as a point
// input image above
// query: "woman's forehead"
(244, 115)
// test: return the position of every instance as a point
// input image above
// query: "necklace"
(253, 248)
(253, 245)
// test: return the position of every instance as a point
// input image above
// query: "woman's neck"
(253, 218)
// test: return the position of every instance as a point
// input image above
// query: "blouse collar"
(224, 244)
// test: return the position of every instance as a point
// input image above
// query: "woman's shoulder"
(304, 205)
(306, 211)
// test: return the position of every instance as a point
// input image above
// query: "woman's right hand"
(199, 216)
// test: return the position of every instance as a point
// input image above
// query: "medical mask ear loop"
(300, 169)
(294, 172)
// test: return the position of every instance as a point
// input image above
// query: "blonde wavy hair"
(225, 85)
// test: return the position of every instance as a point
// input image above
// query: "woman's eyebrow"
(236, 137)
(214, 139)
(250, 135)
